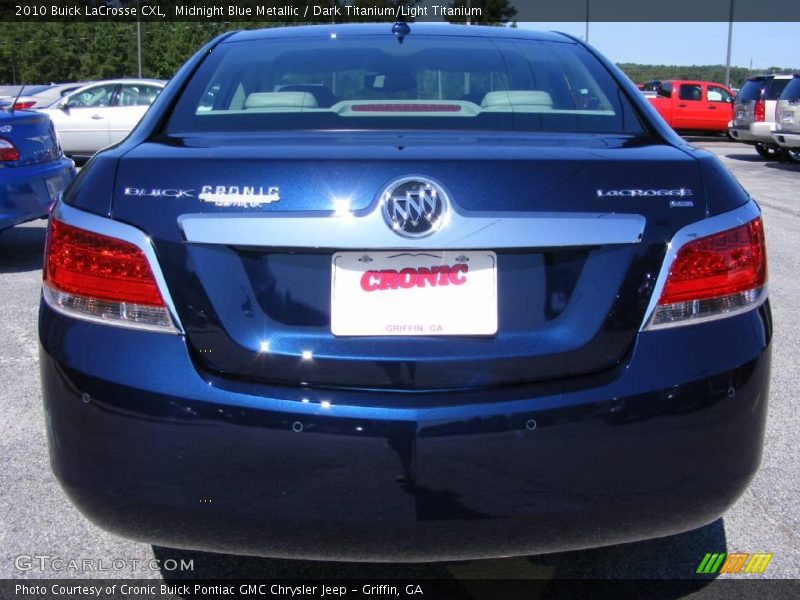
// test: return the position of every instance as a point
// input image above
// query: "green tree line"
(41, 52)
(53, 52)
(738, 75)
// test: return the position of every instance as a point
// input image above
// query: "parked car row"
(89, 116)
(766, 116)
(764, 113)
(38, 129)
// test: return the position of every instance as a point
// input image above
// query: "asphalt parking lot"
(37, 519)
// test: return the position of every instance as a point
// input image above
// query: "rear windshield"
(427, 82)
(792, 90)
(31, 90)
(751, 90)
(776, 88)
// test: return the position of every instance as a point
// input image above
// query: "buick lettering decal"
(157, 193)
(631, 193)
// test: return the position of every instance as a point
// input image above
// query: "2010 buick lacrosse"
(403, 292)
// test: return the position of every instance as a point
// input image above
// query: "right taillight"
(760, 111)
(714, 275)
(8, 151)
(93, 276)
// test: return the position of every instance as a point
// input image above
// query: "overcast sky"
(766, 44)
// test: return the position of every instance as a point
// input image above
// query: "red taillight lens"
(714, 276)
(8, 151)
(103, 279)
(718, 265)
(24, 105)
(97, 266)
(760, 111)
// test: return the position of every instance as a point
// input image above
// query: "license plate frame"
(414, 293)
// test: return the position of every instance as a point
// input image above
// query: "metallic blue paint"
(182, 458)
(572, 428)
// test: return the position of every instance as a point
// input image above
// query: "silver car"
(102, 113)
(34, 98)
(754, 113)
(787, 117)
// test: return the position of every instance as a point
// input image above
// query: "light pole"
(730, 40)
(138, 40)
(587, 22)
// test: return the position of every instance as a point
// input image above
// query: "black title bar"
(328, 11)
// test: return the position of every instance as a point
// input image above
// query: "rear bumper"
(149, 448)
(755, 133)
(787, 140)
(24, 193)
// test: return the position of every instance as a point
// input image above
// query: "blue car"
(33, 170)
(403, 292)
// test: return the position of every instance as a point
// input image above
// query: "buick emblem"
(414, 207)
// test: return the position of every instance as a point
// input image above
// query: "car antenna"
(401, 30)
(13, 104)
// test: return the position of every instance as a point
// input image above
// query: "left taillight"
(101, 278)
(760, 111)
(714, 275)
(8, 151)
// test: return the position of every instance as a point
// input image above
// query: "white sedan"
(102, 113)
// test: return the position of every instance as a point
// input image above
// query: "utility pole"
(138, 39)
(730, 40)
(586, 38)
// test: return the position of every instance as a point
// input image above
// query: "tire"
(769, 152)
(793, 155)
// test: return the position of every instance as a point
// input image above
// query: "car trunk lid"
(252, 277)
(32, 135)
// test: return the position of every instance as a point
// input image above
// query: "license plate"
(740, 114)
(414, 293)
(55, 185)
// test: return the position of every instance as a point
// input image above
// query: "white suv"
(754, 113)
(787, 119)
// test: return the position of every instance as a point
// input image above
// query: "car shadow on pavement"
(791, 167)
(22, 248)
(749, 157)
(671, 558)
(696, 139)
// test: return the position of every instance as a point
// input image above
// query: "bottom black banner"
(477, 589)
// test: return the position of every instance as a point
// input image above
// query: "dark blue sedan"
(33, 170)
(417, 292)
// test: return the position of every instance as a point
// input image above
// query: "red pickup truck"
(694, 105)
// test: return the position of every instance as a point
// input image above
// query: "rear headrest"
(517, 98)
(280, 100)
